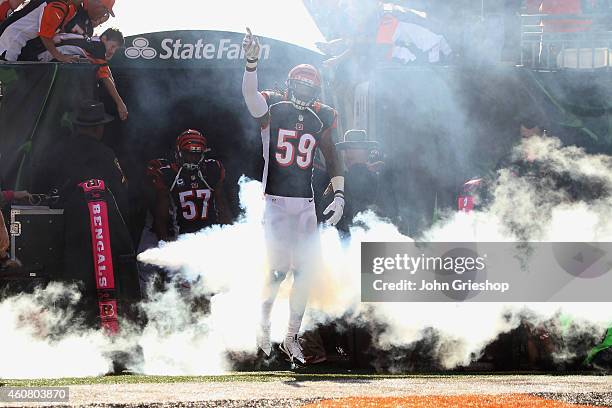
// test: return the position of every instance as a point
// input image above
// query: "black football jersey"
(193, 196)
(290, 141)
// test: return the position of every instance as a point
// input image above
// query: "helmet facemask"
(301, 93)
(184, 159)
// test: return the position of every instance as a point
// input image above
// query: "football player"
(293, 125)
(191, 188)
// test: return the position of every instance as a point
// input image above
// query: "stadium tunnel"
(170, 78)
(172, 81)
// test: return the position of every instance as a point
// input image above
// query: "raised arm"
(255, 101)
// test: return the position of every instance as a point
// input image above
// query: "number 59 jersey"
(290, 140)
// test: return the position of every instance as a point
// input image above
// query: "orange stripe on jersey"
(104, 72)
(386, 30)
(103, 68)
(55, 16)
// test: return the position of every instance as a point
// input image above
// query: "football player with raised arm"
(293, 125)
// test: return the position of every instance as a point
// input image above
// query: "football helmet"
(303, 85)
(189, 145)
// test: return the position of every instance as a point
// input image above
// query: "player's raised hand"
(251, 46)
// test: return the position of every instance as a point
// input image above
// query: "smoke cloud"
(229, 263)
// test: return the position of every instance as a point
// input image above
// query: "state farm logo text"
(140, 49)
(176, 49)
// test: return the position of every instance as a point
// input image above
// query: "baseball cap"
(109, 6)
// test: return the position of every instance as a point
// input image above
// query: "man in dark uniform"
(191, 188)
(293, 124)
(88, 158)
(95, 200)
(362, 175)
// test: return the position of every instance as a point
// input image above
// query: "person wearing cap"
(363, 165)
(43, 20)
(86, 157)
(91, 14)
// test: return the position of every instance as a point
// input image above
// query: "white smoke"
(466, 328)
(39, 339)
(229, 262)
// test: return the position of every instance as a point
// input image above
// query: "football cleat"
(263, 340)
(291, 347)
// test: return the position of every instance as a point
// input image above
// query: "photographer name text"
(413, 265)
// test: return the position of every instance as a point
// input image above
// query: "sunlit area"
(283, 20)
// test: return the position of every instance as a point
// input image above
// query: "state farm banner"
(203, 49)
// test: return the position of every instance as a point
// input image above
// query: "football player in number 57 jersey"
(293, 125)
(190, 187)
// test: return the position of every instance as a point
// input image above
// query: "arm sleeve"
(104, 72)
(221, 172)
(330, 123)
(155, 176)
(255, 101)
(54, 15)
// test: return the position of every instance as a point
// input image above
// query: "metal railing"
(548, 50)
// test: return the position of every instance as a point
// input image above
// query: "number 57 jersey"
(290, 140)
(192, 192)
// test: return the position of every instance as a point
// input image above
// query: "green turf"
(285, 376)
(237, 377)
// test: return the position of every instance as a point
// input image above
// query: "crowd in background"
(62, 31)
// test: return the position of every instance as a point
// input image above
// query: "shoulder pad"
(215, 167)
(157, 166)
(158, 163)
(273, 96)
(327, 114)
